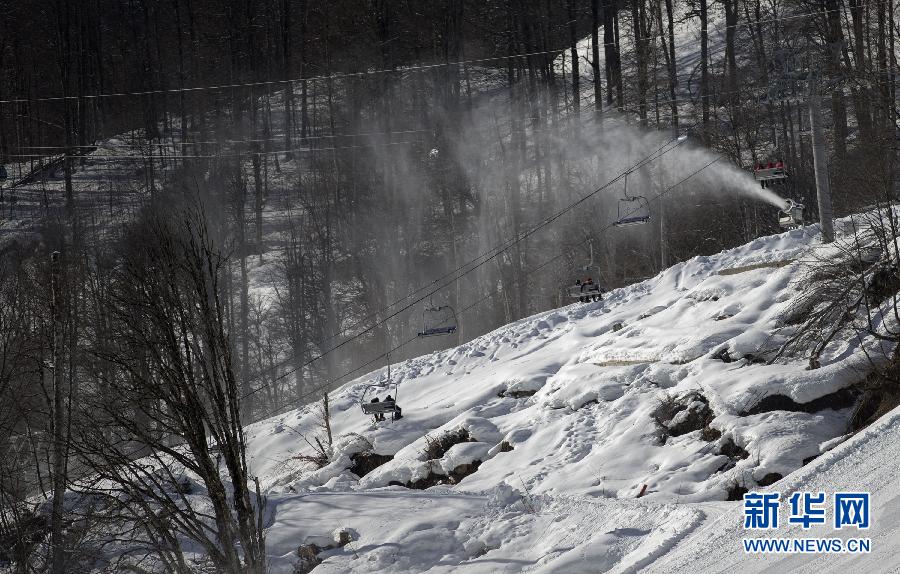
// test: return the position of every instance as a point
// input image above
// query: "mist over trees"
(217, 210)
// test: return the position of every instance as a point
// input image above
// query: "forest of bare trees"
(216, 210)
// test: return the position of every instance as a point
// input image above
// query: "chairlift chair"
(585, 292)
(380, 407)
(791, 217)
(626, 215)
(591, 292)
(438, 321)
(773, 171)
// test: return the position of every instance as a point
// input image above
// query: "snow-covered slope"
(561, 421)
(867, 462)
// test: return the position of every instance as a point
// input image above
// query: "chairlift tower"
(793, 74)
(820, 161)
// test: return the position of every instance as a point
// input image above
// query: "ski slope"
(867, 462)
(560, 413)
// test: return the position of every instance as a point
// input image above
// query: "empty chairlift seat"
(438, 321)
(632, 209)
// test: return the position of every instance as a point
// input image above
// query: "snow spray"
(747, 185)
(723, 175)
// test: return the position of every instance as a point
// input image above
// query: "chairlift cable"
(493, 293)
(398, 70)
(460, 271)
(486, 257)
(588, 95)
(217, 87)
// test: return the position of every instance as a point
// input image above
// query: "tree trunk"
(731, 22)
(286, 72)
(704, 68)
(57, 535)
(834, 39)
(671, 64)
(595, 56)
(611, 50)
(641, 42)
(573, 51)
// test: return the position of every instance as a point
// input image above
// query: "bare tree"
(173, 413)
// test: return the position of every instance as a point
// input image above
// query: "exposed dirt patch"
(732, 450)
(884, 282)
(809, 459)
(736, 492)
(679, 416)
(432, 479)
(464, 470)
(436, 478)
(709, 434)
(436, 447)
(880, 393)
(367, 461)
(769, 479)
(515, 394)
(837, 400)
(309, 558)
(722, 355)
(309, 553)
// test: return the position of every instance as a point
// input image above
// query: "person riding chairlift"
(591, 287)
(397, 410)
(378, 416)
(586, 286)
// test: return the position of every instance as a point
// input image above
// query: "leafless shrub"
(843, 293)
(321, 443)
